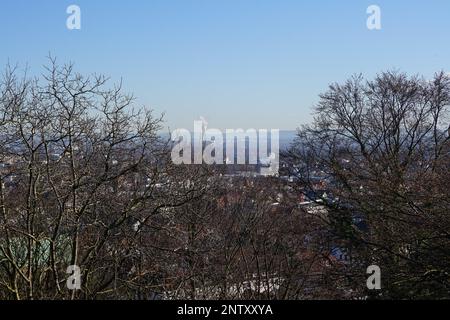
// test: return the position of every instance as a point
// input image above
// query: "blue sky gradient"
(237, 63)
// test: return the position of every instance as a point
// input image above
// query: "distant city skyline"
(239, 64)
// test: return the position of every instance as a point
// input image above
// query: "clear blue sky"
(238, 63)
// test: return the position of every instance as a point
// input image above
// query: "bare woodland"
(85, 179)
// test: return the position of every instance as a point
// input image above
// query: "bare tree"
(382, 147)
(82, 171)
